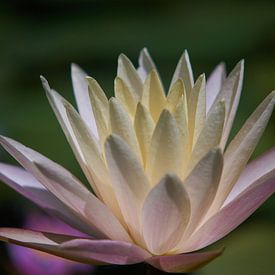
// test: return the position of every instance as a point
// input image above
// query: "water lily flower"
(30, 261)
(165, 181)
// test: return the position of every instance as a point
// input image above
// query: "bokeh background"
(44, 37)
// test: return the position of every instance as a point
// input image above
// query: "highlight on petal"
(80, 88)
(83, 250)
(183, 263)
(184, 71)
(165, 214)
(127, 72)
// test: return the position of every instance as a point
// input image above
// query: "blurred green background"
(44, 37)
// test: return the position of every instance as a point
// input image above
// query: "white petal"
(153, 95)
(165, 214)
(144, 127)
(214, 85)
(242, 146)
(94, 162)
(165, 149)
(62, 184)
(128, 73)
(122, 125)
(260, 167)
(146, 64)
(184, 71)
(99, 103)
(81, 94)
(196, 109)
(210, 135)
(24, 183)
(123, 94)
(201, 186)
(129, 181)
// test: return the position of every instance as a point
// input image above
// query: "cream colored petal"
(99, 103)
(165, 149)
(174, 96)
(146, 64)
(144, 127)
(242, 146)
(129, 181)
(211, 134)
(123, 94)
(99, 176)
(184, 71)
(165, 214)
(201, 186)
(153, 95)
(128, 73)
(196, 109)
(81, 94)
(122, 126)
(64, 186)
(214, 84)
(57, 103)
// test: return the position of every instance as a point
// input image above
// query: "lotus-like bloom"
(165, 182)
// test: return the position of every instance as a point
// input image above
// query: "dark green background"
(44, 37)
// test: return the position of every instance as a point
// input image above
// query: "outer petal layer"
(233, 214)
(76, 249)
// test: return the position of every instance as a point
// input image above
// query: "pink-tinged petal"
(264, 165)
(234, 102)
(182, 263)
(76, 249)
(214, 84)
(241, 147)
(165, 214)
(25, 184)
(146, 64)
(233, 214)
(81, 93)
(62, 184)
(112, 252)
(230, 94)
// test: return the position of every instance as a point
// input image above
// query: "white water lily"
(165, 181)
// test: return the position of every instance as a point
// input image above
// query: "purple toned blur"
(27, 261)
